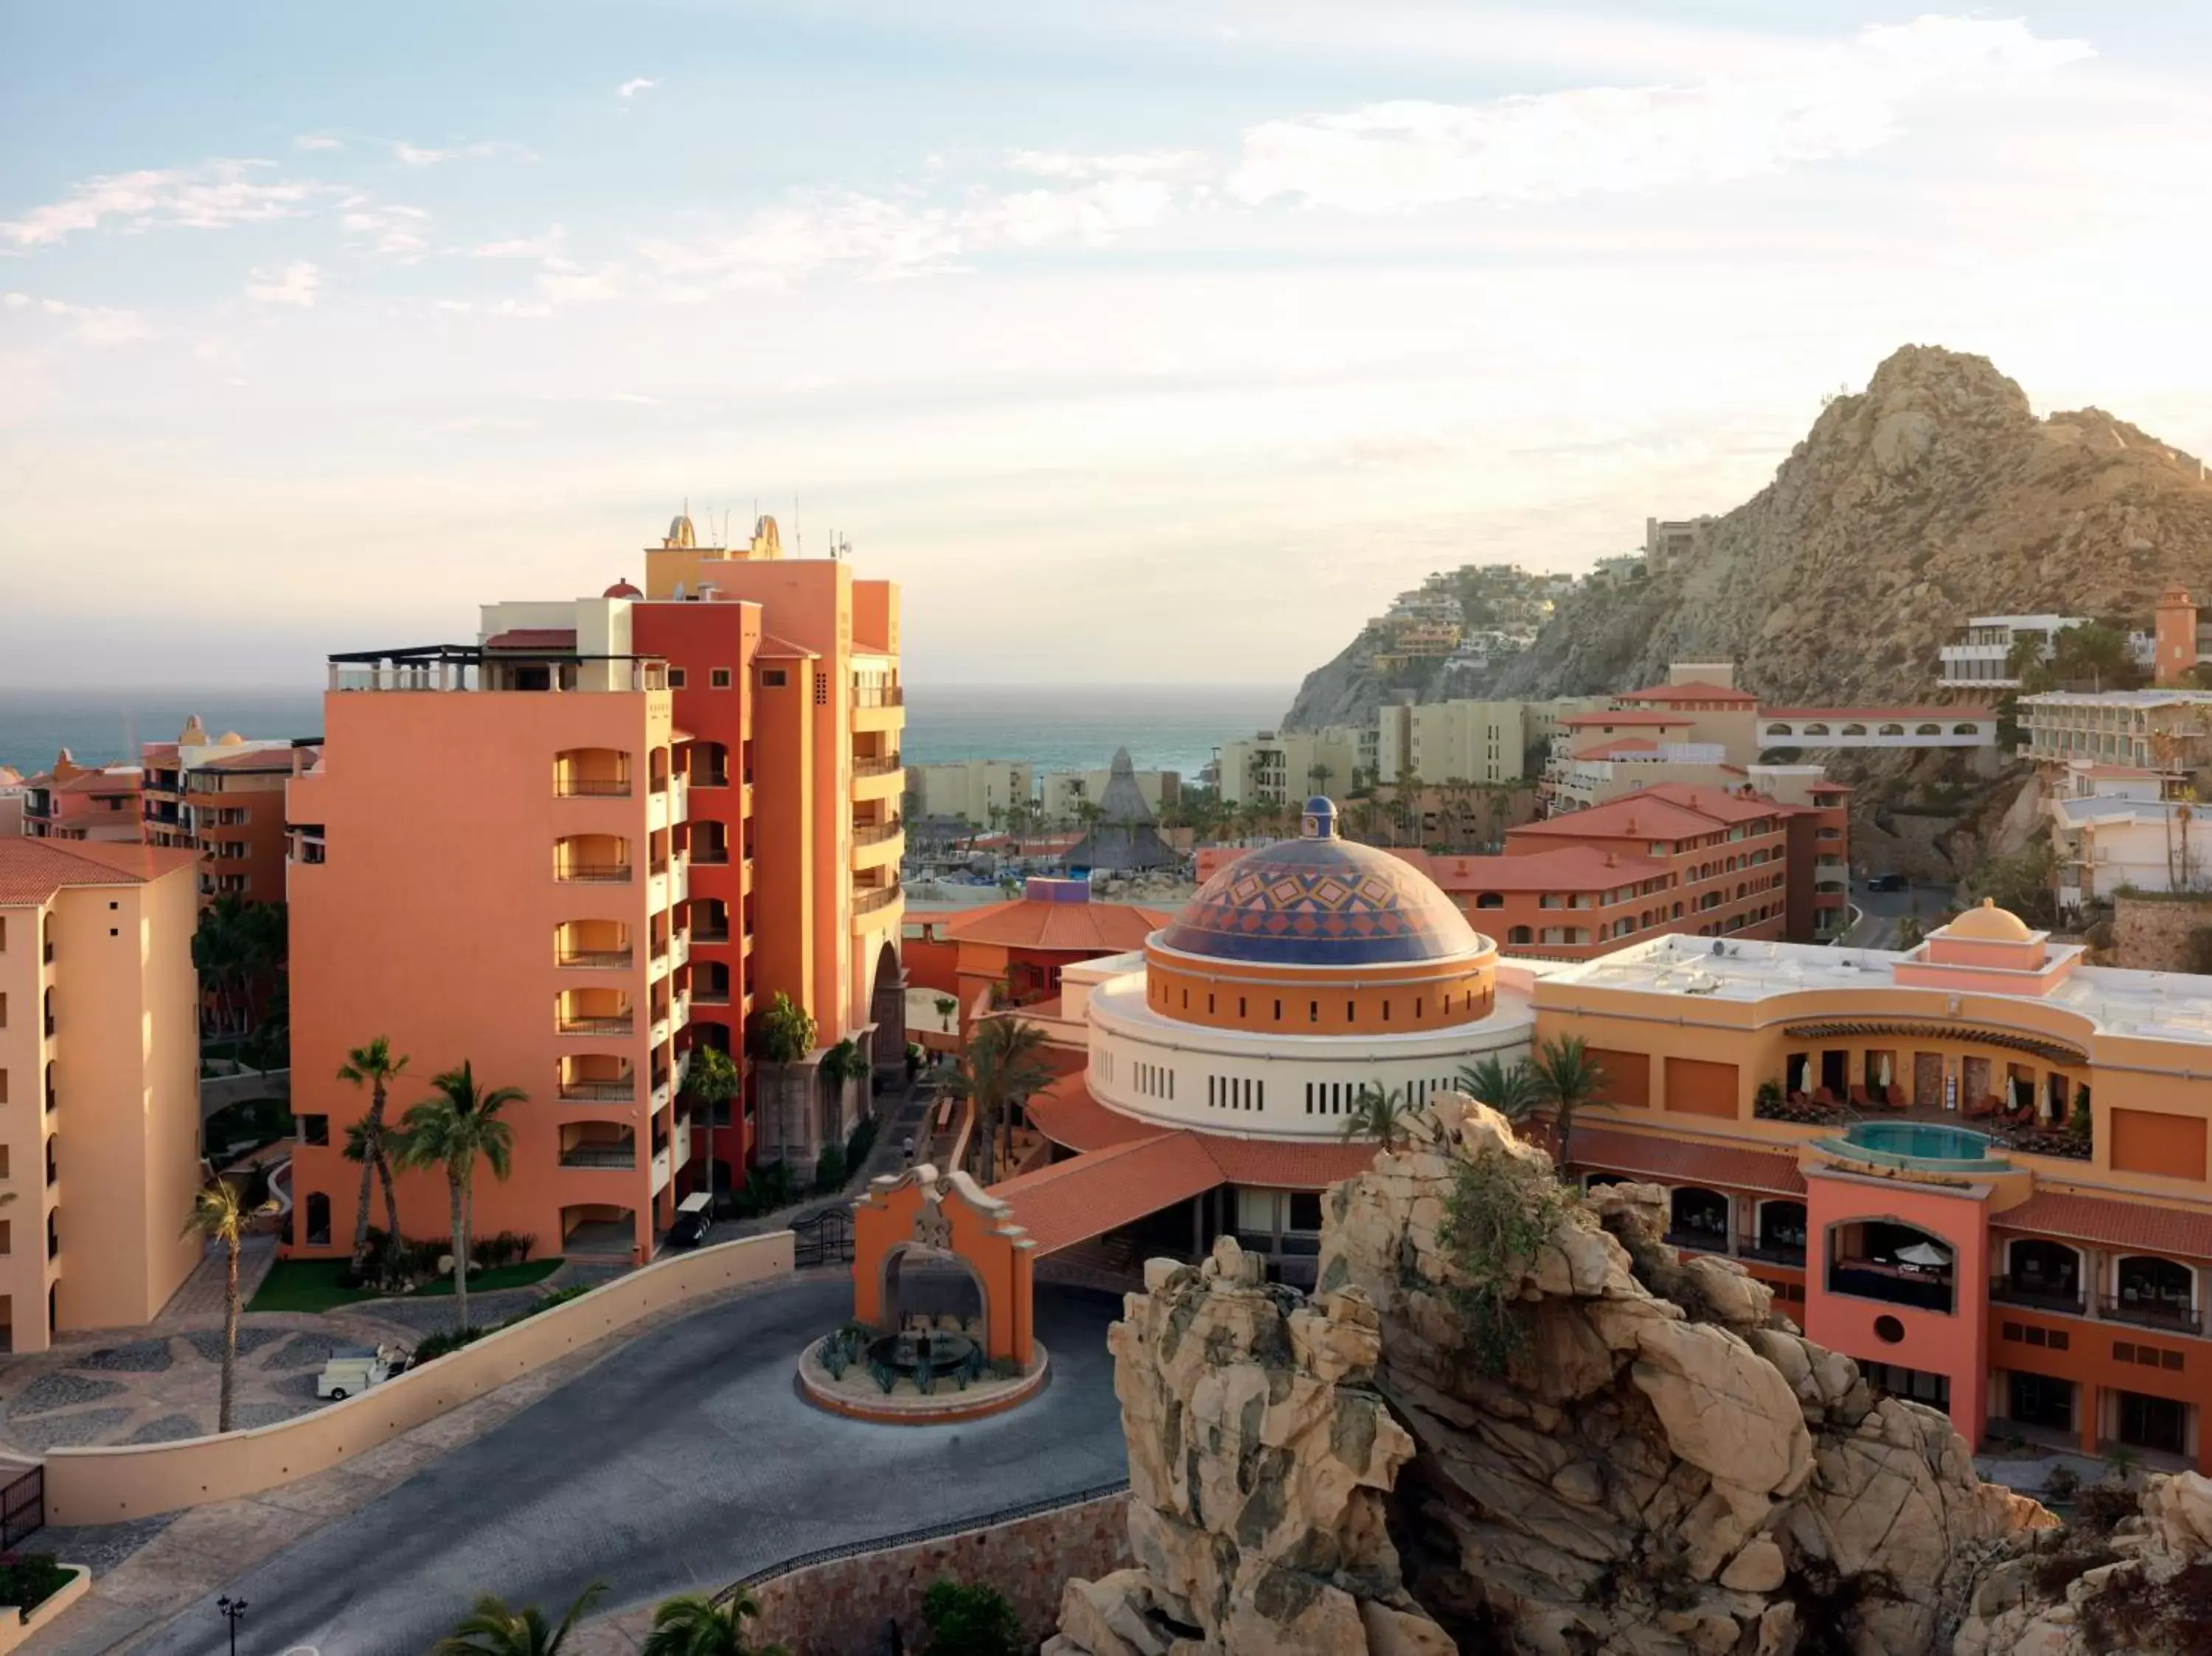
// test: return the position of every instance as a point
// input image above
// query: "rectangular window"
(676, 678)
(718, 678)
(314, 1130)
(821, 689)
(773, 678)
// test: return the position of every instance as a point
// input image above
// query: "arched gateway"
(920, 1215)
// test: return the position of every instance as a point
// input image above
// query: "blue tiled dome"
(1320, 901)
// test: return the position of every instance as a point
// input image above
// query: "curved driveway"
(678, 1463)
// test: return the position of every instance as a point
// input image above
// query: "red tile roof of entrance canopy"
(1093, 928)
(2114, 1224)
(1067, 1114)
(1686, 1162)
(1287, 1164)
(1071, 1202)
(533, 638)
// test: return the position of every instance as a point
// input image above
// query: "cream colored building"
(1061, 794)
(2161, 729)
(1282, 767)
(977, 791)
(99, 1080)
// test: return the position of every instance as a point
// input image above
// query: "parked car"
(346, 1377)
(694, 1221)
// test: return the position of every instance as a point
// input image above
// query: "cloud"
(631, 88)
(393, 229)
(316, 141)
(90, 324)
(545, 247)
(1147, 164)
(416, 155)
(296, 285)
(1404, 156)
(214, 196)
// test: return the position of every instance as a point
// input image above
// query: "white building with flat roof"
(1979, 656)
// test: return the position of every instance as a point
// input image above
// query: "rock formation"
(1643, 1462)
(1934, 495)
(2148, 1591)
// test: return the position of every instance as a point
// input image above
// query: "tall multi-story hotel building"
(100, 1082)
(652, 815)
(224, 799)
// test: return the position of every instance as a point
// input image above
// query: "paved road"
(678, 1463)
(1881, 910)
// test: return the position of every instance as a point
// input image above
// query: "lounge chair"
(1982, 1110)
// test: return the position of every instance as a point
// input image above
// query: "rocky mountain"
(1934, 495)
(1656, 1464)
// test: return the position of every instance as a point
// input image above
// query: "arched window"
(317, 1211)
(1519, 934)
(2039, 1272)
(1927, 729)
(1490, 900)
(1697, 1218)
(1965, 730)
(2147, 1288)
(1890, 730)
(1853, 730)
(1778, 730)
(1782, 1231)
(1816, 728)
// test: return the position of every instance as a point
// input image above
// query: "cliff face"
(1933, 496)
(1359, 1477)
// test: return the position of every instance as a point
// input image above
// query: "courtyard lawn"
(304, 1285)
(486, 1282)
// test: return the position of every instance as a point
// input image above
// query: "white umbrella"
(1885, 1068)
(1923, 1254)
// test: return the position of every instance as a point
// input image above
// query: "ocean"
(1053, 726)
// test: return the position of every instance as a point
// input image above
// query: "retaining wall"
(16, 1628)
(847, 1604)
(108, 1485)
(2151, 934)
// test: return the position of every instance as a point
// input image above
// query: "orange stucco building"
(78, 801)
(1978, 1166)
(99, 1084)
(651, 816)
(224, 798)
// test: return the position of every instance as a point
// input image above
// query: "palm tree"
(218, 1214)
(492, 1629)
(373, 1066)
(1378, 1113)
(711, 1080)
(690, 1625)
(1570, 1078)
(999, 1071)
(1513, 1093)
(783, 1035)
(452, 1129)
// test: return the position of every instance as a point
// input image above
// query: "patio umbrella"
(1885, 1068)
(1923, 1254)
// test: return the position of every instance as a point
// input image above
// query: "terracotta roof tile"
(1288, 1164)
(1067, 1114)
(1624, 716)
(1562, 868)
(1028, 922)
(1686, 1161)
(773, 648)
(32, 871)
(1633, 817)
(2136, 1224)
(254, 759)
(533, 638)
(1072, 1201)
(1696, 690)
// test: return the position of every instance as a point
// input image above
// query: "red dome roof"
(622, 589)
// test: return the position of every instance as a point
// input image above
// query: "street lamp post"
(233, 1611)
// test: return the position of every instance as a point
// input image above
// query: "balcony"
(592, 873)
(867, 900)
(1772, 1253)
(876, 834)
(879, 695)
(599, 1025)
(2171, 1316)
(2004, 1290)
(591, 787)
(619, 1158)
(620, 1089)
(599, 960)
(663, 1171)
(886, 766)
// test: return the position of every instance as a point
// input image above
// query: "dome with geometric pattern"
(1319, 900)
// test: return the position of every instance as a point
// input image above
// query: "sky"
(1161, 340)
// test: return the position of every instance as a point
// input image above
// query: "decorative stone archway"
(922, 1211)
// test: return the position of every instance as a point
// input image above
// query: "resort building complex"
(661, 808)
(1979, 657)
(224, 799)
(74, 801)
(1979, 1166)
(100, 1082)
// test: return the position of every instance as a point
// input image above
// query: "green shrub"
(830, 1169)
(860, 1141)
(28, 1580)
(1501, 1211)
(968, 1620)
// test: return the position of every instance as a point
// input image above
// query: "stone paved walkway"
(201, 1294)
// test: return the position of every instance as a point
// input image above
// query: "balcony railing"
(601, 958)
(1701, 1242)
(623, 1090)
(710, 856)
(2005, 1291)
(879, 695)
(595, 873)
(1772, 1253)
(710, 934)
(867, 902)
(874, 833)
(2153, 1313)
(621, 1024)
(883, 766)
(591, 787)
(601, 1155)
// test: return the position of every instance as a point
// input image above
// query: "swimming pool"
(1917, 1144)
